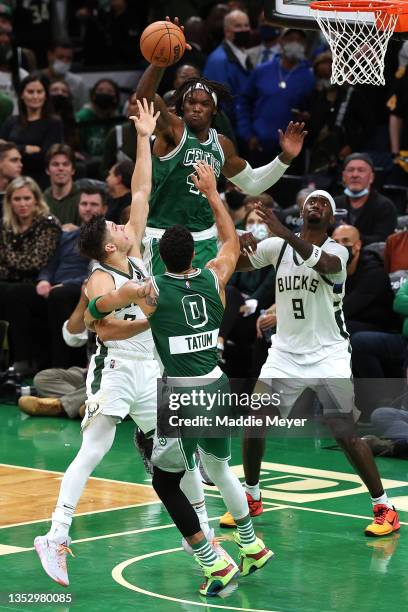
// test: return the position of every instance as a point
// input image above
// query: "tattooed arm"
(131, 292)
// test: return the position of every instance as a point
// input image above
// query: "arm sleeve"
(267, 253)
(74, 340)
(254, 181)
(332, 248)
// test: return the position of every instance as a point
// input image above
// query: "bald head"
(347, 235)
(235, 21)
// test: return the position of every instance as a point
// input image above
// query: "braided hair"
(223, 93)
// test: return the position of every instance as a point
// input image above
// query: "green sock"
(246, 530)
(205, 552)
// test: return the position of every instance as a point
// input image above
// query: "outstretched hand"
(176, 22)
(145, 123)
(291, 141)
(268, 216)
(205, 180)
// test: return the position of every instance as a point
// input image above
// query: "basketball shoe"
(217, 576)
(255, 509)
(253, 556)
(385, 521)
(53, 557)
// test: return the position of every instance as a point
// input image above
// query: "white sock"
(382, 500)
(253, 490)
(61, 523)
(201, 512)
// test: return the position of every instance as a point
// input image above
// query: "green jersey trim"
(183, 276)
(154, 283)
(99, 365)
(216, 279)
(176, 149)
(112, 269)
(221, 150)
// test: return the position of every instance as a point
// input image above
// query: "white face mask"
(294, 51)
(60, 68)
(259, 231)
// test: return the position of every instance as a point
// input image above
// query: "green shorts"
(176, 453)
(205, 250)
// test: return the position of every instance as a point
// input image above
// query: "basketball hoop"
(358, 32)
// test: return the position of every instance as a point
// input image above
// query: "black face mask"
(235, 199)
(268, 32)
(61, 103)
(350, 252)
(242, 39)
(104, 101)
(6, 54)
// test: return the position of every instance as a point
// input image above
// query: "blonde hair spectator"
(10, 218)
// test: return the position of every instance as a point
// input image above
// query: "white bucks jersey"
(143, 342)
(308, 304)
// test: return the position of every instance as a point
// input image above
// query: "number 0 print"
(298, 311)
(195, 310)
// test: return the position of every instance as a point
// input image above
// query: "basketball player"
(311, 348)
(185, 306)
(184, 138)
(122, 376)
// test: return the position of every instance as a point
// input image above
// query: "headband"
(205, 88)
(320, 193)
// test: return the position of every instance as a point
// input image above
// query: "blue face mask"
(356, 194)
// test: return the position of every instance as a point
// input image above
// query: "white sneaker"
(215, 543)
(53, 557)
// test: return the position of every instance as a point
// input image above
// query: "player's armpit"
(233, 163)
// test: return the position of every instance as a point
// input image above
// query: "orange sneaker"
(385, 521)
(255, 505)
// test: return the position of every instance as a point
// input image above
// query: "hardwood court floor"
(128, 553)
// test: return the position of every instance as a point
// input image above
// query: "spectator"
(62, 391)
(34, 130)
(273, 90)
(62, 196)
(10, 166)
(28, 238)
(120, 143)
(339, 121)
(368, 300)
(60, 56)
(12, 71)
(269, 46)
(50, 302)
(118, 183)
(396, 252)
(96, 118)
(62, 103)
(229, 62)
(373, 214)
(33, 26)
(392, 424)
(214, 26)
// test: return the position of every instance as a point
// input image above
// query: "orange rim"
(362, 6)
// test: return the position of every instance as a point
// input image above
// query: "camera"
(10, 386)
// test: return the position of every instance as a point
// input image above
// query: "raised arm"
(256, 180)
(225, 262)
(142, 175)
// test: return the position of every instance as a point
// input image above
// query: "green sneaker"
(217, 576)
(253, 557)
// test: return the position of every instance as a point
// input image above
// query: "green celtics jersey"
(186, 321)
(175, 199)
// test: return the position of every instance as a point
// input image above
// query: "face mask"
(104, 101)
(259, 231)
(6, 54)
(356, 194)
(294, 51)
(60, 68)
(268, 32)
(350, 253)
(242, 39)
(61, 103)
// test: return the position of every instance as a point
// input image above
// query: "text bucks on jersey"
(143, 342)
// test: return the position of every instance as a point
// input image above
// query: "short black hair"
(90, 190)
(92, 238)
(176, 248)
(124, 169)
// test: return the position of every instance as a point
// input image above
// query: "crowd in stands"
(67, 150)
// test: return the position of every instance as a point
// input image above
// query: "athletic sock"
(205, 552)
(253, 490)
(61, 522)
(201, 512)
(246, 530)
(381, 500)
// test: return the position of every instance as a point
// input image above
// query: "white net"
(358, 46)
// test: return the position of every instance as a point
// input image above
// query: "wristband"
(314, 257)
(96, 314)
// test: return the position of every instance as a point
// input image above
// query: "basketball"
(162, 43)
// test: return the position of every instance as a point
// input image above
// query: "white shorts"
(330, 377)
(123, 383)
